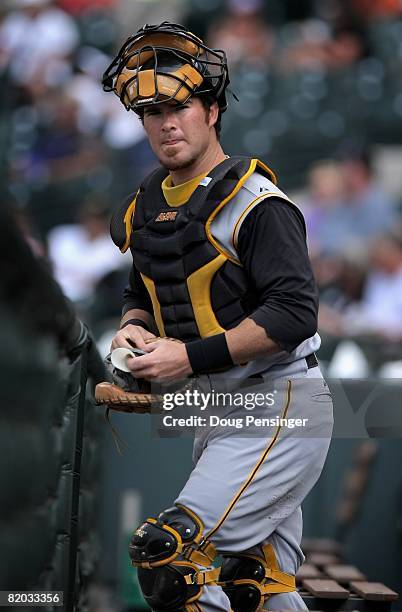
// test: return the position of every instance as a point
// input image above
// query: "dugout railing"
(50, 434)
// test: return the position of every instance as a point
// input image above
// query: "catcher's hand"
(126, 393)
(132, 335)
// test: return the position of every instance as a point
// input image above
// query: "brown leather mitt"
(124, 401)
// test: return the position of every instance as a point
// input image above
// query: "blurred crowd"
(319, 89)
(355, 242)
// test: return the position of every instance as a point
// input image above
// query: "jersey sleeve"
(135, 294)
(272, 248)
(120, 223)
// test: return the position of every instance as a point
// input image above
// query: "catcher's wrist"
(138, 322)
(209, 354)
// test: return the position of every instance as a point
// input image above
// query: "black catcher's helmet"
(166, 62)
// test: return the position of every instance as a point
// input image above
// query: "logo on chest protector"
(167, 216)
(140, 532)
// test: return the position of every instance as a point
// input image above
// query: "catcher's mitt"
(124, 401)
(125, 393)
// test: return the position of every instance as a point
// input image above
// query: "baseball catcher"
(220, 263)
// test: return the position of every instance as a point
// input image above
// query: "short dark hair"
(207, 101)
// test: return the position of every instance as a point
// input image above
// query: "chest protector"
(197, 289)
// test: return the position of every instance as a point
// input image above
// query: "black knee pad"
(168, 552)
(154, 544)
(158, 541)
(249, 580)
(189, 526)
(165, 588)
(241, 578)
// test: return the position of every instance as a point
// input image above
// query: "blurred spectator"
(346, 205)
(368, 210)
(321, 47)
(93, 103)
(376, 9)
(341, 280)
(83, 253)
(243, 34)
(60, 151)
(75, 7)
(36, 39)
(380, 310)
(325, 194)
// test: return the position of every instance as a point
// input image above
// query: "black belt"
(257, 379)
(311, 361)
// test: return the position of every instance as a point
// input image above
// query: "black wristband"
(209, 354)
(138, 322)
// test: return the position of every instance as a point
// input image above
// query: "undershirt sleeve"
(272, 248)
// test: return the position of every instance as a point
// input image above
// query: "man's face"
(180, 134)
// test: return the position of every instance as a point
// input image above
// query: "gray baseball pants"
(247, 486)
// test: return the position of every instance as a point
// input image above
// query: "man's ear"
(213, 114)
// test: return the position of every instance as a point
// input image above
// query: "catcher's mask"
(162, 63)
